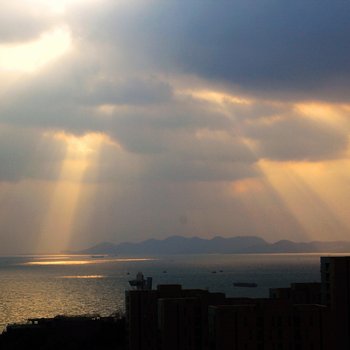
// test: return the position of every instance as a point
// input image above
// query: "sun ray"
(312, 210)
(324, 181)
(265, 210)
(58, 225)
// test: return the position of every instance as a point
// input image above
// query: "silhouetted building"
(305, 316)
(232, 327)
(267, 324)
(172, 318)
(181, 323)
(299, 293)
(142, 319)
(64, 332)
(169, 317)
(335, 278)
(280, 293)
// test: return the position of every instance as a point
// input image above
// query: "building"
(181, 324)
(267, 325)
(335, 279)
(305, 316)
(66, 332)
(232, 327)
(299, 293)
(169, 317)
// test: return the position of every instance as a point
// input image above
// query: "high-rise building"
(304, 316)
(299, 293)
(335, 279)
(267, 324)
(169, 317)
(181, 323)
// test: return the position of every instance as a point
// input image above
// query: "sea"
(49, 285)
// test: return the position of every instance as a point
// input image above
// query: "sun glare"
(31, 56)
(81, 146)
(56, 7)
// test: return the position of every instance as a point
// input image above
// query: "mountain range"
(196, 245)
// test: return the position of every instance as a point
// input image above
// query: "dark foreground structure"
(66, 333)
(305, 316)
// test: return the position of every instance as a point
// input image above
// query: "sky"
(123, 120)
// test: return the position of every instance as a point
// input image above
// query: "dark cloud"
(198, 170)
(65, 96)
(297, 48)
(24, 154)
(163, 128)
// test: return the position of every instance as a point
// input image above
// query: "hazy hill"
(101, 248)
(196, 245)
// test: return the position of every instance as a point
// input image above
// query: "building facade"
(335, 279)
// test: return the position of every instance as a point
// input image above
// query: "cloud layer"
(168, 116)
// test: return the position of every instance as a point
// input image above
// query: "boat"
(245, 284)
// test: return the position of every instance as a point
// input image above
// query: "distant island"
(218, 245)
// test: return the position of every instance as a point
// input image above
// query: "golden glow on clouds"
(81, 146)
(314, 194)
(215, 97)
(31, 56)
(334, 115)
(328, 180)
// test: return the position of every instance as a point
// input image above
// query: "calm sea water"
(45, 286)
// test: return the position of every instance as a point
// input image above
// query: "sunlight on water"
(84, 277)
(84, 262)
(46, 286)
(52, 257)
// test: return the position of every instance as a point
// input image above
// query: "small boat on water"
(97, 256)
(245, 284)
